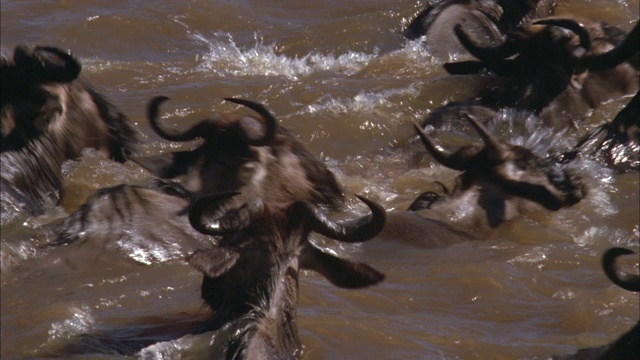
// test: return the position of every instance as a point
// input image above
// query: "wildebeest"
(48, 115)
(486, 20)
(251, 277)
(626, 346)
(557, 68)
(248, 154)
(498, 182)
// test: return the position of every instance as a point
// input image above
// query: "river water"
(342, 78)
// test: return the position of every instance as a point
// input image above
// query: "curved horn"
(617, 55)
(443, 186)
(577, 28)
(628, 282)
(356, 231)
(493, 145)
(269, 119)
(202, 130)
(41, 66)
(225, 223)
(488, 54)
(452, 161)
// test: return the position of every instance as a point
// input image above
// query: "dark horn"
(202, 130)
(41, 67)
(444, 188)
(214, 202)
(617, 55)
(353, 232)
(152, 115)
(442, 157)
(577, 28)
(71, 66)
(270, 121)
(493, 145)
(628, 282)
(489, 54)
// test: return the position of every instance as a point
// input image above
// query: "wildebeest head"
(48, 116)
(251, 154)
(512, 170)
(27, 107)
(41, 94)
(253, 272)
(549, 56)
(485, 21)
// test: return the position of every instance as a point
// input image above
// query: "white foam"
(226, 58)
(365, 102)
(147, 251)
(80, 322)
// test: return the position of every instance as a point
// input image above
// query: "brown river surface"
(339, 74)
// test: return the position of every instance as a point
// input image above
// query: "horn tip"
(236, 100)
(159, 99)
(418, 129)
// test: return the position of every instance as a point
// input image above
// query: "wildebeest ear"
(166, 166)
(213, 262)
(46, 64)
(340, 272)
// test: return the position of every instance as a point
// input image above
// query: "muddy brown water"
(340, 76)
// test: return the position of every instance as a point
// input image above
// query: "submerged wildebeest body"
(498, 182)
(251, 278)
(557, 68)
(485, 20)
(248, 154)
(626, 346)
(48, 116)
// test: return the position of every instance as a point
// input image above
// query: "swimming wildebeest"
(499, 181)
(487, 21)
(626, 346)
(249, 154)
(49, 115)
(251, 276)
(557, 68)
(246, 153)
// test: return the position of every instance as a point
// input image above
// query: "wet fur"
(251, 279)
(47, 123)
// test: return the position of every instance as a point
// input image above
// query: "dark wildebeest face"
(505, 178)
(252, 275)
(499, 182)
(49, 116)
(250, 154)
(556, 66)
(626, 346)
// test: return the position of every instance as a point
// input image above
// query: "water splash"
(80, 322)
(147, 251)
(365, 102)
(226, 58)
